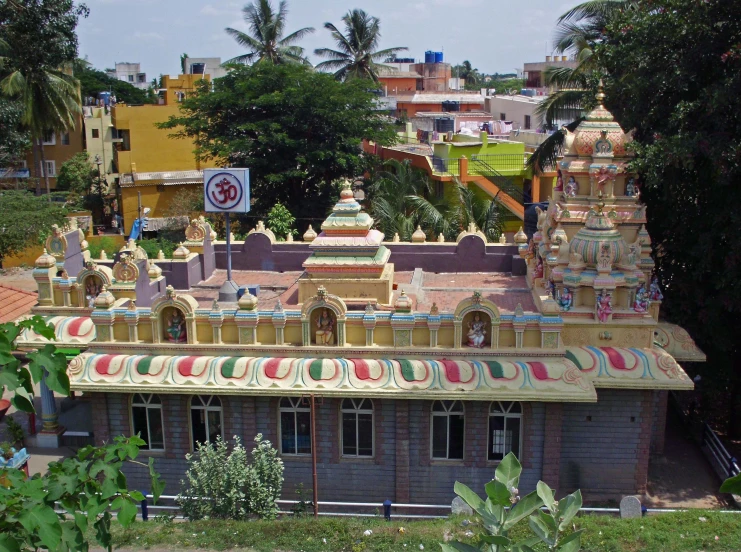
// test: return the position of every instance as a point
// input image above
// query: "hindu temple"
(427, 362)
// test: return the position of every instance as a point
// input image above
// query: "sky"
(494, 35)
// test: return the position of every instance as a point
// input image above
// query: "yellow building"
(100, 137)
(58, 148)
(148, 159)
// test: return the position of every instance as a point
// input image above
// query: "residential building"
(534, 73)
(58, 148)
(409, 367)
(147, 158)
(131, 73)
(409, 104)
(100, 138)
(205, 66)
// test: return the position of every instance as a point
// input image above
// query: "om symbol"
(227, 191)
(224, 192)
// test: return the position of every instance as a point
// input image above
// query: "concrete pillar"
(51, 431)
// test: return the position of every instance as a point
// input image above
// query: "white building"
(205, 66)
(131, 73)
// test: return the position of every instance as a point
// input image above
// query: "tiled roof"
(15, 302)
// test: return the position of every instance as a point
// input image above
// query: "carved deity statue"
(551, 288)
(603, 176)
(566, 299)
(630, 188)
(572, 188)
(92, 289)
(654, 293)
(604, 306)
(324, 328)
(476, 332)
(175, 330)
(641, 302)
(538, 272)
(559, 182)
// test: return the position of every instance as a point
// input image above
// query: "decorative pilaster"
(402, 321)
(369, 322)
(216, 319)
(279, 323)
(518, 323)
(131, 316)
(433, 324)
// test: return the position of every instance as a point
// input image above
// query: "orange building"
(409, 104)
(58, 148)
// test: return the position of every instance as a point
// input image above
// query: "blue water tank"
(438, 57)
(429, 56)
(106, 97)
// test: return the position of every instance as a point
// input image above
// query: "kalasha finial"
(600, 203)
(601, 92)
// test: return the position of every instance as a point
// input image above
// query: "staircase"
(502, 188)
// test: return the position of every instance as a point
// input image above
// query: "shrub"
(280, 221)
(15, 430)
(102, 244)
(153, 247)
(221, 484)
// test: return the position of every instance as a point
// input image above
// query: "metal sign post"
(227, 191)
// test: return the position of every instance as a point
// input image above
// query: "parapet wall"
(470, 254)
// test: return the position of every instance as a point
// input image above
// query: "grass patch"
(675, 532)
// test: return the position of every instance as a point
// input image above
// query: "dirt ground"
(20, 278)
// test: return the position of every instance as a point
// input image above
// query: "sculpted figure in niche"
(630, 188)
(559, 182)
(538, 273)
(476, 332)
(175, 330)
(566, 299)
(325, 328)
(603, 176)
(655, 291)
(641, 302)
(93, 287)
(572, 188)
(604, 306)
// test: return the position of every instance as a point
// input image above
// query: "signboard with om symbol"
(226, 190)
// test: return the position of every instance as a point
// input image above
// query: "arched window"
(295, 426)
(206, 419)
(146, 420)
(357, 427)
(448, 429)
(505, 429)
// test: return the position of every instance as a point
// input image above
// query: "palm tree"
(267, 43)
(50, 99)
(357, 56)
(578, 31)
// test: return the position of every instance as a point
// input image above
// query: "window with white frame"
(146, 420)
(505, 429)
(448, 429)
(295, 426)
(357, 428)
(49, 139)
(48, 168)
(206, 419)
(64, 138)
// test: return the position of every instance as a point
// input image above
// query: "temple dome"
(599, 239)
(599, 134)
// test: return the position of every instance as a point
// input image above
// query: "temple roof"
(572, 378)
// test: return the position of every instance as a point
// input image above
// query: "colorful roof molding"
(70, 331)
(678, 343)
(569, 379)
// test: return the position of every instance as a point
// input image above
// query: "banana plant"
(503, 509)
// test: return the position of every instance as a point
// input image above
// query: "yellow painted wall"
(158, 201)
(58, 153)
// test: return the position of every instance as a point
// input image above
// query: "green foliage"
(14, 139)
(267, 43)
(102, 244)
(280, 221)
(93, 81)
(357, 56)
(19, 378)
(302, 506)
(155, 245)
(26, 220)
(503, 509)
(298, 131)
(77, 174)
(222, 485)
(15, 430)
(675, 69)
(732, 485)
(87, 488)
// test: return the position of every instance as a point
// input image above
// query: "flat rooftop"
(446, 289)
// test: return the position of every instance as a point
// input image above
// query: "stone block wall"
(601, 448)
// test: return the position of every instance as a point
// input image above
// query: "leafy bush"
(280, 221)
(153, 247)
(102, 244)
(503, 509)
(221, 484)
(15, 430)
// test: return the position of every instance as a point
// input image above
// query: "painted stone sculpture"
(572, 188)
(559, 182)
(476, 332)
(175, 330)
(538, 273)
(566, 299)
(604, 306)
(641, 302)
(324, 329)
(92, 289)
(630, 188)
(603, 176)
(654, 293)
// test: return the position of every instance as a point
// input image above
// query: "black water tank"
(444, 125)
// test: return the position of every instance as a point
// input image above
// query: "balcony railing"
(504, 161)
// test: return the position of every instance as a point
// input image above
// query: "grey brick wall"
(605, 457)
(602, 449)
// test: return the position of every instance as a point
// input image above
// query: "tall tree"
(39, 41)
(267, 43)
(675, 70)
(296, 129)
(357, 56)
(14, 139)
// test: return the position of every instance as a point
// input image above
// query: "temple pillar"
(51, 431)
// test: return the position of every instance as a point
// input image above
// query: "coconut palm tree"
(578, 31)
(356, 56)
(50, 99)
(267, 43)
